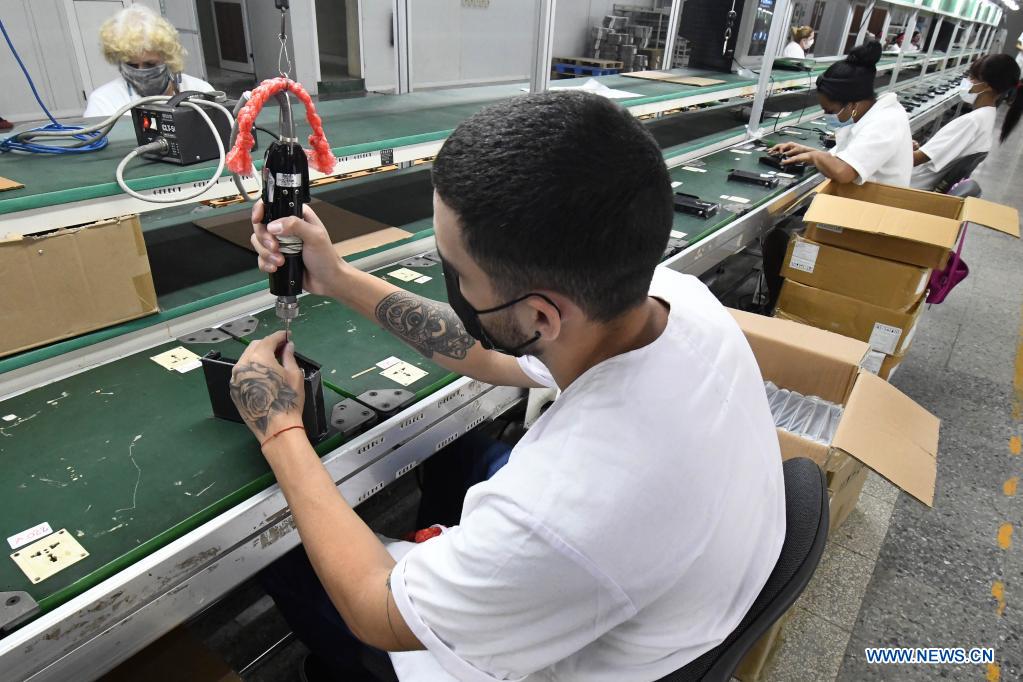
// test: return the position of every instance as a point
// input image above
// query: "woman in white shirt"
(146, 50)
(992, 79)
(874, 141)
(802, 41)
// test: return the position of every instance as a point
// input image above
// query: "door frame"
(247, 67)
(78, 41)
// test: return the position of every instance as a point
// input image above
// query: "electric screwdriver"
(285, 192)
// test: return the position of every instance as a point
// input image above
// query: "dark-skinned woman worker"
(874, 141)
(992, 79)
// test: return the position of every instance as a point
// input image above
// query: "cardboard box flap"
(831, 360)
(892, 435)
(995, 216)
(850, 214)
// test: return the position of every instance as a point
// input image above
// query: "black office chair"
(958, 170)
(806, 529)
(965, 188)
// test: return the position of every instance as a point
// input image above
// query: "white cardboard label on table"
(676, 184)
(423, 280)
(784, 175)
(831, 228)
(872, 362)
(885, 338)
(178, 359)
(30, 535)
(738, 200)
(404, 373)
(677, 234)
(804, 257)
(10, 417)
(693, 169)
(404, 274)
(388, 362)
(740, 151)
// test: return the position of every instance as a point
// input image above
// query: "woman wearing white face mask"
(145, 49)
(992, 79)
(802, 41)
(874, 141)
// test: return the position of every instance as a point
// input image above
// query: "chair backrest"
(965, 188)
(806, 529)
(959, 169)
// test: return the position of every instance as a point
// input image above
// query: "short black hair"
(562, 191)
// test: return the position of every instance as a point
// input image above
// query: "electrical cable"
(85, 141)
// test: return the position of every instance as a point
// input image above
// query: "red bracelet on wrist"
(297, 426)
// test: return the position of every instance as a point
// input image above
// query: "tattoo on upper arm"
(259, 392)
(428, 326)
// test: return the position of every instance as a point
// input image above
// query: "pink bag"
(944, 281)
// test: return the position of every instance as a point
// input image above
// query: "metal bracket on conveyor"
(417, 262)
(350, 418)
(387, 401)
(241, 327)
(208, 335)
(355, 415)
(16, 608)
(235, 329)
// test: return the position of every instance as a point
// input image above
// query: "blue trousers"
(303, 601)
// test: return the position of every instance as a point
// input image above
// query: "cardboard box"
(878, 281)
(71, 281)
(904, 225)
(887, 331)
(845, 476)
(883, 365)
(756, 659)
(880, 427)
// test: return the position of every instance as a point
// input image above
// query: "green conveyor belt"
(135, 422)
(706, 178)
(352, 126)
(346, 344)
(127, 456)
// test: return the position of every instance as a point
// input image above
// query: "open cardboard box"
(67, 282)
(878, 281)
(905, 225)
(885, 331)
(880, 426)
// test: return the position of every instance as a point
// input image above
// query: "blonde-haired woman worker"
(802, 41)
(145, 49)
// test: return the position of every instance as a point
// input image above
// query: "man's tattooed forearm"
(259, 393)
(428, 326)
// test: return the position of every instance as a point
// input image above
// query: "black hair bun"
(867, 54)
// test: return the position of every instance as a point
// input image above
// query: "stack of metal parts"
(806, 416)
(615, 39)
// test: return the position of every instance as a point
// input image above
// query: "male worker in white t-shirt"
(638, 519)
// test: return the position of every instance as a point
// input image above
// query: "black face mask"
(470, 319)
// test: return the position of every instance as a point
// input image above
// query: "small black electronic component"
(753, 178)
(694, 205)
(217, 370)
(775, 161)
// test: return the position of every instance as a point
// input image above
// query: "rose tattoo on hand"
(260, 393)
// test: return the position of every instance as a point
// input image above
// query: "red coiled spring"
(239, 159)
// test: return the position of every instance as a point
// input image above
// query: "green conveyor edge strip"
(173, 533)
(47, 352)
